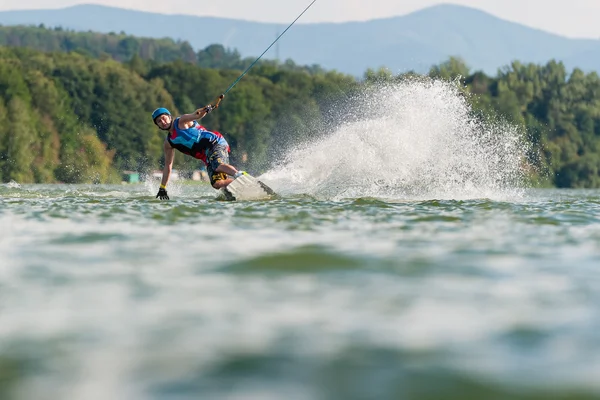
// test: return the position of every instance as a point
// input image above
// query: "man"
(191, 138)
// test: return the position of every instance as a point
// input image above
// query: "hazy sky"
(573, 18)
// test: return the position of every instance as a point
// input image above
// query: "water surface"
(106, 292)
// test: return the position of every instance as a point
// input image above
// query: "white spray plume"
(419, 141)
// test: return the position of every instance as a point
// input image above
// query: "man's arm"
(169, 157)
(198, 114)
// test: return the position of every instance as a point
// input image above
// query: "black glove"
(208, 108)
(162, 194)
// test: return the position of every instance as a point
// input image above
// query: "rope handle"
(216, 105)
(211, 107)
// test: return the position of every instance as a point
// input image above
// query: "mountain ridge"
(413, 41)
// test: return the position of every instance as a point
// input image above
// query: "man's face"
(163, 121)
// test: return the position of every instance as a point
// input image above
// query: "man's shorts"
(214, 157)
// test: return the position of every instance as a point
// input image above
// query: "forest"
(75, 106)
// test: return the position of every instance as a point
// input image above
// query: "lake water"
(106, 292)
(405, 258)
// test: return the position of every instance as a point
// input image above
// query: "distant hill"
(127, 48)
(98, 45)
(412, 42)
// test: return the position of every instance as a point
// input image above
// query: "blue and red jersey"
(195, 140)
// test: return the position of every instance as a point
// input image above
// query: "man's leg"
(226, 168)
(218, 167)
(221, 180)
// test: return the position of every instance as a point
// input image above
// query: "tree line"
(69, 117)
(83, 115)
(122, 47)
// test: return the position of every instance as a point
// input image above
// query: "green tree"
(21, 139)
(4, 137)
(450, 70)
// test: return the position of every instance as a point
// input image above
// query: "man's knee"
(218, 180)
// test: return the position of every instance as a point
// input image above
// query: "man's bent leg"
(218, 180)
(221, 183)
(218, 161)
(226, 168)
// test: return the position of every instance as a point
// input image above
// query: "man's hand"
(201, 112)
(240, 173)
(162, 194)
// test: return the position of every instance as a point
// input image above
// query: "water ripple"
(107, 292)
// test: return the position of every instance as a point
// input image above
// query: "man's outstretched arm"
(169, 157)
(196, 115)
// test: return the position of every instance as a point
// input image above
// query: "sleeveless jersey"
(195, 140)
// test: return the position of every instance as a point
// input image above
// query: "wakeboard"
(247, 187)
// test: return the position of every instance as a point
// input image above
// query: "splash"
(13, 184)
(416, 140)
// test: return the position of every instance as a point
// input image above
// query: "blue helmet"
(158, 112)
